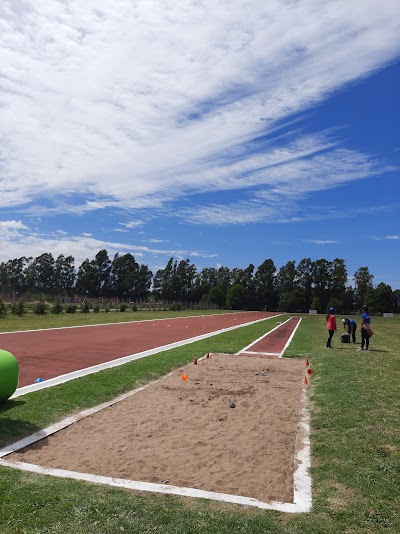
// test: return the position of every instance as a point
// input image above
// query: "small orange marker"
(305, 381)
(208, 355)
(185, 377)
(307, 362)
(309, 371)
(195, 361)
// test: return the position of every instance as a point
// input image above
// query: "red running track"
(51, 353)
(272, 344)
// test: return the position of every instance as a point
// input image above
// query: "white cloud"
(390, 237)
(132, 224)
(24, 243)
(11, 230)
(321, 241)
(133, 104)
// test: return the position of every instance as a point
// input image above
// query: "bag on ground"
(345, 338)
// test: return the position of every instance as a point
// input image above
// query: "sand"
(230, 428)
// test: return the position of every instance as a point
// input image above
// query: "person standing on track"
(350, 327)
(331, 326)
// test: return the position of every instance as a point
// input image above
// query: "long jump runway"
(274, 343)
(50, 353)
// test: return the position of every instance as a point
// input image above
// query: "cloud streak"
(133, 105)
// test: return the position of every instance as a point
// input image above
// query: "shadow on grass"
(12, 430)
(10, 404)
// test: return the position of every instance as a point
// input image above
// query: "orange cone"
(195, 361)
(305, 381)
(208, 355)
(307, 362)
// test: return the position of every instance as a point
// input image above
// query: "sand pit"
(230, 428)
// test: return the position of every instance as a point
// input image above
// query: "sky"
(222, 132)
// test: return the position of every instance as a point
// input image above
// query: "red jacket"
(331, 322)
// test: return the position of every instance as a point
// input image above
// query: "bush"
(134, 308)
(107, 308)
(96, 308)
(71, 308)
(122, 307)
(3, 309)
(57, 308)
(40, 307)
(85, 307)
(18, 308)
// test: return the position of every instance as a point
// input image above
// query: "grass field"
(355, 444)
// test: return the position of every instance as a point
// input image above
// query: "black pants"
(328, 343)
(353, 333)
(364, 338)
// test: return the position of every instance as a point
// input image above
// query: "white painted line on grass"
(302, 495)
(290, 338)
(156, 488)
(261, 353)
(125, 359)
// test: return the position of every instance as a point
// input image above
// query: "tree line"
(294, 287)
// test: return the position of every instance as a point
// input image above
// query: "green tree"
(380, 299)
(124, 276)
(291, 302)
(316, 304)
(216, 296)
(3, 309)
(287, 278)
(40, 273)
(321, 280)
(163, 281)
(363, 281)
(64, 274)
(183, 280)
(87, 282)
(305, 271)
(143, 282)
(235, 297)
(14, 274)
(102, 264)
(338, 280)
(264, 285)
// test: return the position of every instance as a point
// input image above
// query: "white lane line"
(290, 338)
(120, 361)
(124, 322)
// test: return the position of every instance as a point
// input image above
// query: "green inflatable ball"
(9, 373)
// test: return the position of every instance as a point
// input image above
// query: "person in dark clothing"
(366, 331)
(350, 327)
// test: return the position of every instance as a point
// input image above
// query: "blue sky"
(223, 132)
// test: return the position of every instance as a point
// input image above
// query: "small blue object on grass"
(38, 380)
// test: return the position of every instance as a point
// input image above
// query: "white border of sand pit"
(302, 496)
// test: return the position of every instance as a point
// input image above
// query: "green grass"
(355, 447)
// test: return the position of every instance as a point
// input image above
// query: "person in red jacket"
(331, 326)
